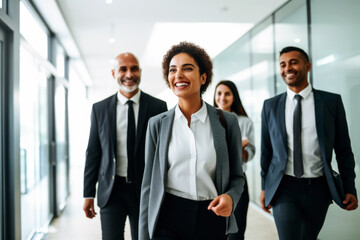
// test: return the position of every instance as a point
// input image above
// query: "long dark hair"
(236, 106)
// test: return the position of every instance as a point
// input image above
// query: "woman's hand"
(222, 205)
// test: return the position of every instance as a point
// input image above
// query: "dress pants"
(184, 219)
(300, 206)
(241, 214)
(123, 202)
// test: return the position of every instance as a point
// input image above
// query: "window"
(33, 31)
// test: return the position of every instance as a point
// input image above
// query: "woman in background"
(191, 182)
(227, 98)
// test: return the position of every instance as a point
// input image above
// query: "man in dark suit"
(115, 152)
(300, 130)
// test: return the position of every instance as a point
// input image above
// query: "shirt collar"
(122, 99)
(304, 93)
(201, 114)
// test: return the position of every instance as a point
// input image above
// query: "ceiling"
(148, 28)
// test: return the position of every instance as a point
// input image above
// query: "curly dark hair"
(200, 56)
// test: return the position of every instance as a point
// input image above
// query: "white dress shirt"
(121, 130)
(192, 157)
(313, 166)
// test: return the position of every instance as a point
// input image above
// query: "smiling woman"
(199, 189)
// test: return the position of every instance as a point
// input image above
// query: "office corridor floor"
(73, 225)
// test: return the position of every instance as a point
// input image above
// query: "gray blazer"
(229, 176)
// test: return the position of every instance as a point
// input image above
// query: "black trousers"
(241, 214)
(184, 219)
(123, 202)
(300, 207)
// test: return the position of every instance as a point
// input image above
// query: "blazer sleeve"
(266, 147)
(93, 158)
(343, 151)
(150, 146)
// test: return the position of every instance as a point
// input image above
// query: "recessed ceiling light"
(112, 40)
(109, 1)
(297, 40)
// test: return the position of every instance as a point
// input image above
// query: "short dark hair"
(200, 56)
(291, 48)
(236, 106)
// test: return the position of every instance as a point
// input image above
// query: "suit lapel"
(112, 121)
(220, 145)
(143, 109)
(319, 121)
(280, 117)
(165, 134)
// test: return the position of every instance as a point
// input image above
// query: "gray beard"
(128, 90)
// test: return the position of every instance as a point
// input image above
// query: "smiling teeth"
(181, 84)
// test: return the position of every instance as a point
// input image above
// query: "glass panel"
(290, 30)
(33, 32)
(34, 136)
(336, 61)
(61, 147)
(60, 61)
(262, 72)
(1, 4)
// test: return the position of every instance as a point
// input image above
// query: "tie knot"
(129, 102)
(298, 97)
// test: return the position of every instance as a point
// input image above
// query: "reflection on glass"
(33, 32)
(35, 208)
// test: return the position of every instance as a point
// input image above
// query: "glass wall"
(34, 146)
(43, 125)
(335, 39)
(334, 51)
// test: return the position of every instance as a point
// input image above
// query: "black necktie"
(131, 142)
(298, 163)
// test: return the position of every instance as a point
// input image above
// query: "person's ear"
(203, 78)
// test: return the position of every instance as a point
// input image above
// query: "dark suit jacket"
(101, 152)
(332, 131)
(229, 175)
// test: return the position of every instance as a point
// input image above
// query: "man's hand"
(350, 202)
(89, 208)
(262, 201)
(222, 205)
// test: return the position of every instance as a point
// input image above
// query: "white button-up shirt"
(313, 166)
(192, 157)
(121, 130)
